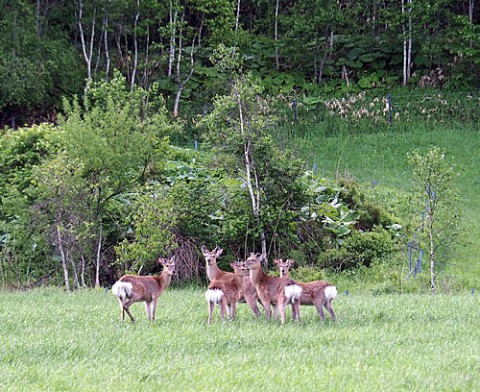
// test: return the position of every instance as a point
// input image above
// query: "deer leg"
(252, 302)
(275, 312)
(328, 306)
(153, 308)
(125, 307)
(223, 308)
(319, 305)
(122, 317)
(211, 305)
(148, 310)
(281, 309)
(266, 306)
(296, 310)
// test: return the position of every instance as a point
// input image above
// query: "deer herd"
(247, 283)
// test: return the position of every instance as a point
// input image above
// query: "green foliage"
(435, 190)
(308, 274)
(151, 234)
(359, 249)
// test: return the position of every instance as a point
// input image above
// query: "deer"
(226, 292)
(319, 293)
(273, 290)
(249, 294)
(132, 288)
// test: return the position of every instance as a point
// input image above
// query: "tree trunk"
(407, 41)
(173, 24)
(99, 253)
(181, 83)
(87, 54)
(63, 257)
(277, 62)
(254, 191)
(328, 46)
(432, 255)
(135, 47)
(107, 49)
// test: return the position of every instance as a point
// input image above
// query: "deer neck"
(163, 280)
(213, 272)
(256, 276)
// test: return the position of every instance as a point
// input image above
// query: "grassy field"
(381, 158)
(54, 341)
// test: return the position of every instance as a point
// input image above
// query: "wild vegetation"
(165, 127)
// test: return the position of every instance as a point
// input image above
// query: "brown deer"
(226, 292)
(274, 291)
(319, 293)
(249, 294)
(132, 288)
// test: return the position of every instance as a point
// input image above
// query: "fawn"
(249, 294)
(131, 288)
(272, 290)
(319, 293)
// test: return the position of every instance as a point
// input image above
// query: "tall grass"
(54, 341)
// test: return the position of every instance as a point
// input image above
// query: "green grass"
(381, 157)
(54, 341)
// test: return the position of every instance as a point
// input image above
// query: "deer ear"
(218, 251)
(172, 259)
(277, 261)
(161, 261)
(204, 249)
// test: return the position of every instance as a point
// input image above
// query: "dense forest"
(50, 49)
(100, 98)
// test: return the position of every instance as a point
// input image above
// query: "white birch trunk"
(63, 257)
(99, 252)
(254, 192)
(87, 54)
(135, 47)
(277, 61)
(173, 24)
(107, 49)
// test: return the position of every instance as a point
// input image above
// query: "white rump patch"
(330, 292)
(214, 295)
(122, 289)
(293, 292)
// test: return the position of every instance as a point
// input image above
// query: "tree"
(239, 127)
(435, 190)
(120, 138)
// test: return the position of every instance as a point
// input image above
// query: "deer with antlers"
(274, 291)
(132, 288)
(319, 293)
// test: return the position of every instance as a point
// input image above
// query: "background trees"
(105, 189)
(51, 49)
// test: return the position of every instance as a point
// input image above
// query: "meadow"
(56, 341)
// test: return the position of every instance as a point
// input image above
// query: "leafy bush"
(359, 249)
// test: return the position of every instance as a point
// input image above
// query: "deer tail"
(214, 295)
(122, 290)
(293, 292)
(330, 292)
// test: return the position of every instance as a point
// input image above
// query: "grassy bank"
(380, 159)
(55, 341)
